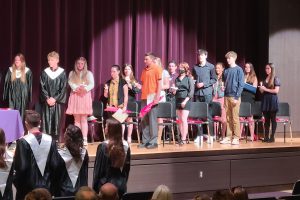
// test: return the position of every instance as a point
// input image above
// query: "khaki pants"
(232, 117)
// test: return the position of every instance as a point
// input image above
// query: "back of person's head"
(74, 141)
(32, 119)
(115, 144)
(108, 191)
(2, 149)
(222, 195)
(162, 192)
(38, 194)
(239, 193)
(201, 197)
(86, 193)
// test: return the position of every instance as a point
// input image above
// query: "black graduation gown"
(55, 88)
(27, 173)
(17, 93)
(64, 184)
(105, 173)
(8, 193)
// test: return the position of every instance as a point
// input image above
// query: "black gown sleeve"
(100, 168)
(126, 168)
(60, 96)
(7, 82)
(29, 83)
(44, 92)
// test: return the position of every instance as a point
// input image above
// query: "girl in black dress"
(112, 162)
(269, 105)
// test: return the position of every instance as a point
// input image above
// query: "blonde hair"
(53, 54)
(157, 61)
(231, 54)
(75, 76)
(132, 79)
(14, 68)
(162, 192)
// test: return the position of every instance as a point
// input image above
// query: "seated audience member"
(162, 192)
(201, 197)
(222, 195)
(6, 169)
(38, 194)
(73, 165)
(239, 193)
(108, 191)
(35, 158)
(86, 193)
(112, 163)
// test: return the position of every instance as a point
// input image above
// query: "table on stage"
(11, 123)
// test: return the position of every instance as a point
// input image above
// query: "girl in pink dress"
(81, 82)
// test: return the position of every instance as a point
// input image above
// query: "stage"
(192, 168)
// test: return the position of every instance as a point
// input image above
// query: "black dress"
(185, 89)
(35, 163)
(71, 175)
(248, 96)
(269, 101)
(18, 93)
(6, 178)
(53, 84)
(105, 173)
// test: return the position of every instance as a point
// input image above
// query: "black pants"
(270, 118)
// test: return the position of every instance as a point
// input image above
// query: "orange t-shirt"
(150, 76)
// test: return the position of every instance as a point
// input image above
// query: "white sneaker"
(225, 140)
(85, 142)
(235, 141)
(197, 140)
(210, 139)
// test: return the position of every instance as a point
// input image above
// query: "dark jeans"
(207, 99)
(270, 117)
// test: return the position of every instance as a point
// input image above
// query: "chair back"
(165, 110)
(199, 110)
(64, 198)
(137, 196)
(256, 109)
(283, 109)
(133, 107)
(296, 188)
(216, 109)
(97, 109)
(245, 109)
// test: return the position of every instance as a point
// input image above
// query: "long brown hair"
(132, 79)
(75, 74)
(22, 69)
(116, 150)
(74, 141)
(2, 149)
(270, 83)
(252, 75)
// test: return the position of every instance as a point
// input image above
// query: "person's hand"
(156, 100)
(139, 86)
(51, 101)
(105, 87)
(124, 109)
(235, 101)
(262, 89)
(183, 104)
(200, 85)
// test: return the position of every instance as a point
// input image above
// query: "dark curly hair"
(74, 141)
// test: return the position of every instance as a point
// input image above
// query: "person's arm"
(255, 82)
(212, 78)
(166, 81)
(29, 83)
(125, 91)
(44, 92)
(105, 92)
(191, 91)
(240, 84)
(91, 84)
(71, 84)
(158, 90)
(61, 95)
(275, 90)
(6, 85)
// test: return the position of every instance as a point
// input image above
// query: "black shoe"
(265, 140)
(152, 146)
(271, 140)
(143, 145)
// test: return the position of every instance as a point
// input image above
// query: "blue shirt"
(234, 82)
(207, 75)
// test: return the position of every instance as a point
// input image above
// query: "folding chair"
(245, 112)
(198, 116)
(166, 111)
(216, 115)
(296, 188)
(134, 114)
(283, 116)
(98, 118)
(258, 117)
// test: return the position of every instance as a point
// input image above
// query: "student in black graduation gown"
(112, 163)
(6, 169)
(35, 158)
(53, 95)
(18, 85)
(73, 167)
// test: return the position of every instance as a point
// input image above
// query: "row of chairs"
(198, 116)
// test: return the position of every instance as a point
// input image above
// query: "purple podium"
(11, 123)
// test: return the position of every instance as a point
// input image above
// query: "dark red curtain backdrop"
(109, 32)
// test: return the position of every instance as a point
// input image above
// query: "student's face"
(148, 61)
(219, 69)
(114, 73)
(80, 65)
(53, 62)
(127, 71)
(172, 68)
(18, 61)
(230, 60)
(268, 69)
(202, 58)
(247, 68)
